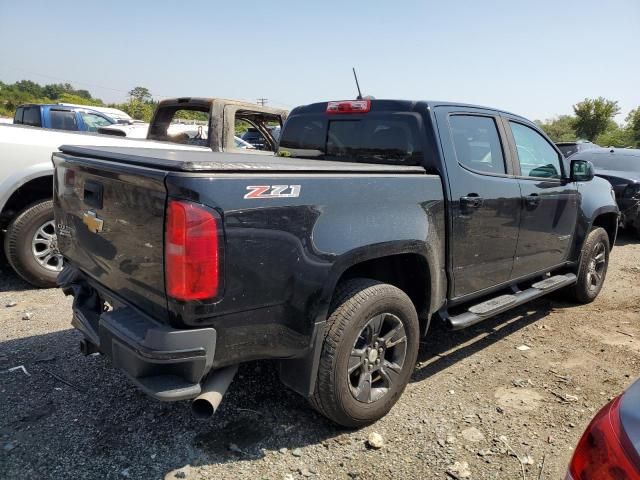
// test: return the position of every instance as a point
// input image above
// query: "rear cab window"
(188, 125)
(17, 118)
(375, 137)
(31, 116)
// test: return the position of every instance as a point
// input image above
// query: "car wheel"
(592, 268)
(369, 352)
(30, 245)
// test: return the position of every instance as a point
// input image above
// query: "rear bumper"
(164, 362)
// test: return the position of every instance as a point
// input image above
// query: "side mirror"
(581, 171)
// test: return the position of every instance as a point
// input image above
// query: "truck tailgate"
(110, 223)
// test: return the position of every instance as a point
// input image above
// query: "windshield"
(384, 138)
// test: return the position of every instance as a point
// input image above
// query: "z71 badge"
(273, 191)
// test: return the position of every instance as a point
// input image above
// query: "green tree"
(633, 125)
(593, 116)
(559, 129)
(27, 86)
(138, 109)
(78, 99)
(142, 94)
(615, 136)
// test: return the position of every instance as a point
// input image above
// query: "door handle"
(471, 201)
(532, 200)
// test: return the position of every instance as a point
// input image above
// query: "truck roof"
(206, 161)
(206, 101)
(399, 104)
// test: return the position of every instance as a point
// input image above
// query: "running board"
(494, 306)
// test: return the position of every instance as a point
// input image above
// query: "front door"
(549, 201)
(484, 213)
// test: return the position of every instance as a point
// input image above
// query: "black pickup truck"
(374, 217)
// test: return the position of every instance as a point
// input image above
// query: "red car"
(610, 447)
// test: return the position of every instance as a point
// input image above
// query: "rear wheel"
(31, 247)
(592, 269)
(368, 354)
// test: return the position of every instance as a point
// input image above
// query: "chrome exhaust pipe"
(212, 391)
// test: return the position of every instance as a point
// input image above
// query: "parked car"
(569, 148)
(610, 446)
(61, 116)
(621, 167)
(26, 171)
(333, 257)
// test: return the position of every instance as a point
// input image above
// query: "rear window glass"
(31, 116)
(63, 120)
(389, 138)
(17, 118)
(187, 126)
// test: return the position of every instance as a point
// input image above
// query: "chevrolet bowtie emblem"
(91, 220)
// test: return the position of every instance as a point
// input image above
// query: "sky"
(535, 58)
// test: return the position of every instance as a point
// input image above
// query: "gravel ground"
(476, 402)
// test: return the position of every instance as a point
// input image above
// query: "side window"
(249, 127)
(92, 121)
(537, 158)
(63, 120)
(477, 143)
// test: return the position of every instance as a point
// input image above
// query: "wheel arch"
(383, 262)
(609, 220)
(25, 193)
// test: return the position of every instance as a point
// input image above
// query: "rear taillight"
(192, 251)
(603, 451)
(349, 106)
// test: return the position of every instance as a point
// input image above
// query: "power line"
(262, 101)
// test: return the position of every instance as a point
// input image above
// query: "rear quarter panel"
(283, 256)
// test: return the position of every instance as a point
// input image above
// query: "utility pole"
(262, 101)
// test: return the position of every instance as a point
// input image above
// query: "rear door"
(549, 201)
(484, 213)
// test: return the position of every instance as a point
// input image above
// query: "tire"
(20, 243)
(592, 268)
(360, 306)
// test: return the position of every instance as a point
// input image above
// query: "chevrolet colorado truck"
(333, 257)
(26, 173)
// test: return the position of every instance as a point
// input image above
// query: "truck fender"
(299, 374)
(18, 178)
(606, 210)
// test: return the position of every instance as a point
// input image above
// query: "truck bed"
(206, 161)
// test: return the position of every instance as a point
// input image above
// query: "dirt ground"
(475, 397)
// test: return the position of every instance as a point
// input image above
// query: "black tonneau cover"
(201, 161)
